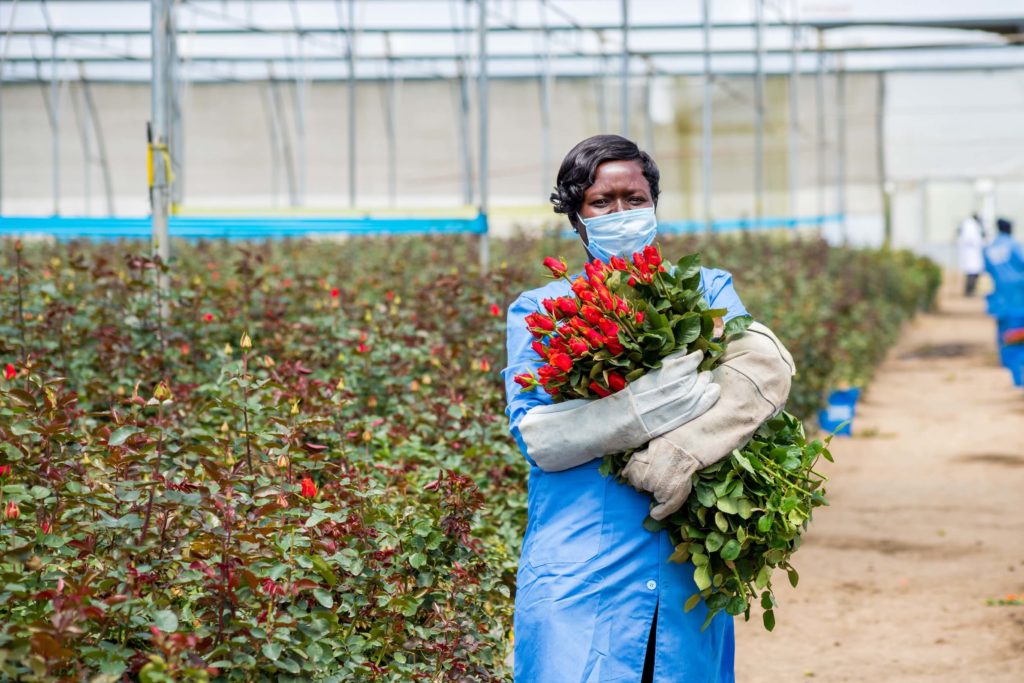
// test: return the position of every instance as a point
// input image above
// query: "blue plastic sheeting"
(191, 227)
(732, 224)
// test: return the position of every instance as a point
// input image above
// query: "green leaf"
(769, 619)
(691, 602)
(763, 577)
(166, 621)
(121, 435)
(321, 567)
(764, 523)
(721, 522)
(323, 597)
(727, 505)
(744, 508)
(653, 525)
(731, 550)
(687, 267)
(417, 560)
(701, 577)
(271, 651)
(737, 325)
(794, 578)
(714, 541)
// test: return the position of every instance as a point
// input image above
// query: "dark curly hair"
(577, 171)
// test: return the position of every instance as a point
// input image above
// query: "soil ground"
(926, 525)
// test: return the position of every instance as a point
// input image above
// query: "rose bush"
(303, 471)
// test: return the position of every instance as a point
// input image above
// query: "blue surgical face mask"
(622, 233)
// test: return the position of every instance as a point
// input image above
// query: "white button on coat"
(652, 584)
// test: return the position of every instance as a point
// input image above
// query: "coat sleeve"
(521, 358)
(720, 293)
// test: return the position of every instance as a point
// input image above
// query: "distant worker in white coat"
(970, 242)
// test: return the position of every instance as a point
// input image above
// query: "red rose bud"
(621, 307)
(208, 317)
(335, 292)
(548, 374)
(549, 306)
(558, 267)
(578, 347)
(562, 361)
(613, 346)
(308, 488)
(632, 281)
(559, 344)
(567, 306)
(595, 338)
(495, 310)
(588, 298)
(565, 329)
(10, 372)
(616, 381)
(5, 470)
(594, 272)
(599, 390)
(639, 317)
(606, 301)
(541, 323)
(609, 328)
(526, 380)
(541, 350)
(619, 263)
(12, 511)
(591, 314)
(652, 255)
(640, 261)
(579, 286)
(45, 527)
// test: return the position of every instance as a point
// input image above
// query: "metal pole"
(286, 144)
(390, 112)
(794, 115)
(625, 68)
(819, 99)
(101, 145)
(82, 119)
(465, 147)
(160, 20)
(483, 130)
(841, 144)
(55, 121)
(759, 111)
(545, 106)
(706, 121)
(352, 103)
(880, 156)
(176, 142)
(300, 122)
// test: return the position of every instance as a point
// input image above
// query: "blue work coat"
(1004, 259)
(590, 576)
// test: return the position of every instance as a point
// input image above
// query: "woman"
(597, 599)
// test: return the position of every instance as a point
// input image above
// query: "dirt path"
(926, 524)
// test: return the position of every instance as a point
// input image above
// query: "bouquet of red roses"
(746, 513)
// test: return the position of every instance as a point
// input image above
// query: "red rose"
(46, 527)
(5, 470)
(599, 390)
(539, 325)
(208, 317)
(595, 272)
(495, 310)
(591, 314)
(613, 346)
(12, 510)
(525, 380)
(579, 286)
(609, 328)
(562, 361)
(558, 267)
(10, 372)
(652, 255)
(567, 305)
(595, 338)
(619, 263)
(308, 488)
(335, 292)
(549, 306)
(616, 381)
(588, 298)
(541, 350)
(639, 317)
(558, 344)
(578, 347)
(621, 307)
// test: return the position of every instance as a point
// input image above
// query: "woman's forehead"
(619, 175)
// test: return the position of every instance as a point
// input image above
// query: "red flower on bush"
(308, 488)
(5, 470)
(45, 526)
(208, 317)
(335, 293)
(10, 372)
(495, 310)
(12, 511)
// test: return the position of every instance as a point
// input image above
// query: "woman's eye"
(637, 200)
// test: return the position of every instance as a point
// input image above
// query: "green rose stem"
(246, 344)
(160, 394)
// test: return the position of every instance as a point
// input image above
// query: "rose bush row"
(303, 470)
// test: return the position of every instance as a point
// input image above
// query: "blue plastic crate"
(1013, 359)
(842, 406)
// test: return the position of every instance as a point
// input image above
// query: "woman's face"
(618, 186)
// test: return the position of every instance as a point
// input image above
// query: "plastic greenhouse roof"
(230, 40)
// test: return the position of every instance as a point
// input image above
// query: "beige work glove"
(755, 377)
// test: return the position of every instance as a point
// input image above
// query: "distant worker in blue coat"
(1004, 256)
(596, 597)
